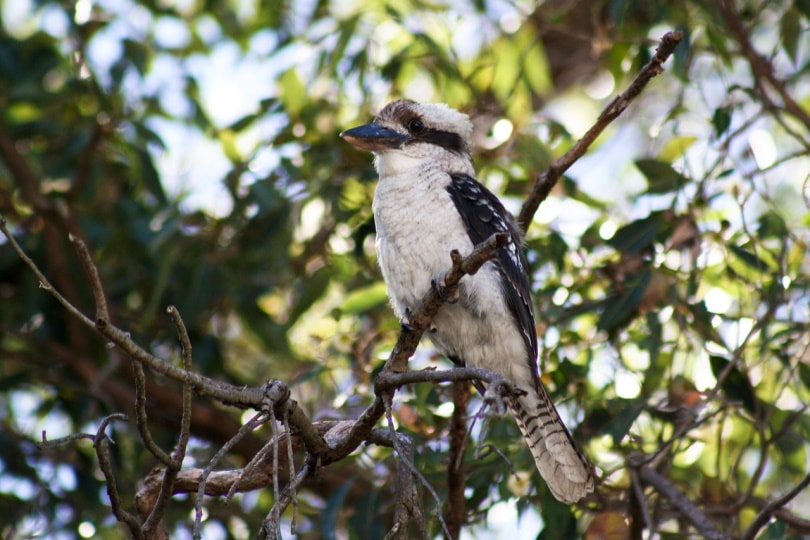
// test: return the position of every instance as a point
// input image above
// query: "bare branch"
(546, 182)
(770, 509)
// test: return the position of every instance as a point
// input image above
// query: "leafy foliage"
(194, 147)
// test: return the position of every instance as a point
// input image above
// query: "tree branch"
(678, 500)
(546, 182)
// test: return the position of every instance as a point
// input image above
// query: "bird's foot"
(438, 285)
(405, 321)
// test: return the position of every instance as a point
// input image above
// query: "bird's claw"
(405, 321)
(438, 285)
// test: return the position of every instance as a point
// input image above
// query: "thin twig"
(291, 468)
(257, 420)
(105, 464)
(276, 492)
(287, 496)
(61, 441)
(405, 489)
(761, 68)
(141, 419)
(92, 275)
(641, 502)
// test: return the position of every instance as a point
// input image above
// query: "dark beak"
(374, 137)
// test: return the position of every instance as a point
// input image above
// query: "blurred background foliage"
(194, 146)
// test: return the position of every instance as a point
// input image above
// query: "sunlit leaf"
(361, 300)
(750, 259)
(676, 147)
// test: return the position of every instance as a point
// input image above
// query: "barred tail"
(560, 464)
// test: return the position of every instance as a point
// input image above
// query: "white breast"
(417, 227)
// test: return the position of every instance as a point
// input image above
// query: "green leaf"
(803, 6)
(661, 177)
(776, 530)
(721, 120)
(150, 176)
(804, 374)
(660, 361)
(773, 225)
(561, 524)
(293, 93)
(736, 385)
(702, 322)
(637, 235)
(572, 190)
(137, 53)
(623, 418)
(791, 31)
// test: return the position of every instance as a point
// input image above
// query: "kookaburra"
(428, 203)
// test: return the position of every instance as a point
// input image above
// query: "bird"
(427, 203)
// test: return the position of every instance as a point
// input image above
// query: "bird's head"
(407, 134)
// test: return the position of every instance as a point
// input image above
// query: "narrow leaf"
(637, 235)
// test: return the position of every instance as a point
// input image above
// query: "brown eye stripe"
(445, 139)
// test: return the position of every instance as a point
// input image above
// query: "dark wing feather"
(484, 215)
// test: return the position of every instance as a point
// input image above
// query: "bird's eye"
(416, 126)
